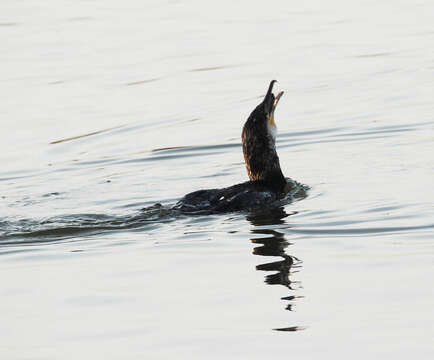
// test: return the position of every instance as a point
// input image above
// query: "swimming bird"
(267, 183)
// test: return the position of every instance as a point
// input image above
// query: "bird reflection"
(274, 244)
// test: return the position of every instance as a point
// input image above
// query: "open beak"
(270, 101)
(276, 100)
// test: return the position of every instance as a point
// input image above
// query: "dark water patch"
(222, 173)
(196, 148)
(270, 216)
(339, 132)
(303, 143)
(30, 231)
(51, 194)
(386, 208)
(98, 162)
(311, 132)
(370, 132)
(130, 128)
(168, 148)
(69, 226)
(291, 328)
(346, 223)
(139, 82)
(360, 231)
(17, 251)
(23, 174)
(84, 135)
(179, 152)
(280, 272)
(403, 126)
(157, 158)
(212, 68)
(139, 204)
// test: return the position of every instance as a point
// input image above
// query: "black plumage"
(259, 147)
(267, 183)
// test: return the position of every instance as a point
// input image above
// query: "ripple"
(361, 231)
(139, 82)
(30, 231)
(212, 68)
(84, 135)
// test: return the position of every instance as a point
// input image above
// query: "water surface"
(108, 109)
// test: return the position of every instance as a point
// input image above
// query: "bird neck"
(262, 163)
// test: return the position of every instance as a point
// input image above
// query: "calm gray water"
(111, 107)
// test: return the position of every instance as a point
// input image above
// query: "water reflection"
(274, 244)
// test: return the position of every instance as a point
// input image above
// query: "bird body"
(267, 183)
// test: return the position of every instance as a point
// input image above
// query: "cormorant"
(267, 183)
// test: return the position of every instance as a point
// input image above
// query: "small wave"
(360, 231)
(27, 231)
(83, 135)
(64, 227)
